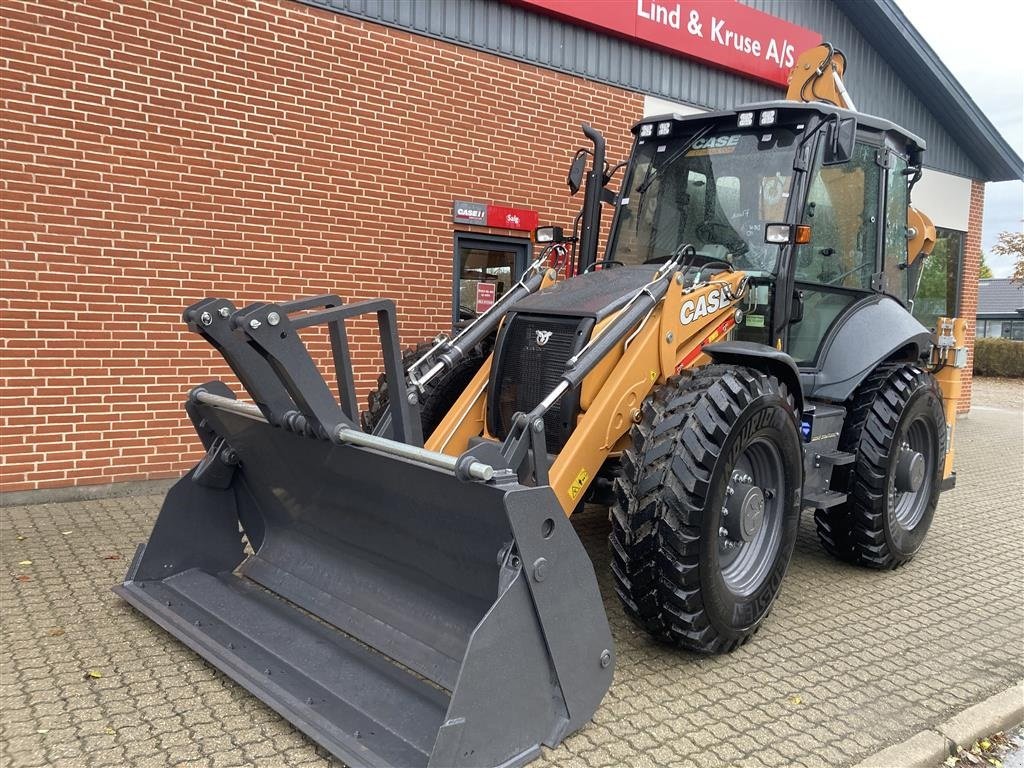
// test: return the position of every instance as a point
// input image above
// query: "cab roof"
(784, 105)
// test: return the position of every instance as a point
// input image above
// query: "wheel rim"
(909, 506)
(745, 565)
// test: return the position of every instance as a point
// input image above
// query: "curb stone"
(928, 748)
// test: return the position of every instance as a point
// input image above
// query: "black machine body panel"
(873, 330)
(595, 295)
(820, 428)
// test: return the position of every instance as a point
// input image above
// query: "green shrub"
(999, 357)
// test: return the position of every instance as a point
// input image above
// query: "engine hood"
(595, 294)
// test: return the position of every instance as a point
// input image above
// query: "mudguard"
(763, 358)
(873, 330)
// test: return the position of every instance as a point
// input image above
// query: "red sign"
(725, 33)
(511, 218)
(486, 293)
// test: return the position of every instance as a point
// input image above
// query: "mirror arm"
(614, 169)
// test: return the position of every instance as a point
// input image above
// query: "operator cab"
(808, 199)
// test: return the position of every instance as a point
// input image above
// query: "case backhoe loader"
(743, 350)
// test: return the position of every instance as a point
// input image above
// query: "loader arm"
(658, 349)
(622, 363)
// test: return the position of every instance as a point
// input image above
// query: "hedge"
(999, 357)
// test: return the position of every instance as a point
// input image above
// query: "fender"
(762, 358)
(854, 347)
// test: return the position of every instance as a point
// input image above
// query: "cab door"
(837, 267)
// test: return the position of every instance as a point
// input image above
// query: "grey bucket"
(394, 613)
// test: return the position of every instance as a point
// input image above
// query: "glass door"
(485, 268)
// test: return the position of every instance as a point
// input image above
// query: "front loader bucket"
(394, 613)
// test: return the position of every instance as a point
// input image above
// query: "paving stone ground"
(850, 660)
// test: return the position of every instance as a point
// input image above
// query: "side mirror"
(839, 140)
(576, 169)
(548, 235)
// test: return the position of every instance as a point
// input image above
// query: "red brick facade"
(158, 153)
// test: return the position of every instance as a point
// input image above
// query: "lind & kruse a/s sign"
(724, 33)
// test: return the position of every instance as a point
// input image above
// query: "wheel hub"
(744, 509)
(910, 469)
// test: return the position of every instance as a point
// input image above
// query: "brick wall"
(157, 153)
(969, 285)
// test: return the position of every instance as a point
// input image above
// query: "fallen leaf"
(20, 538)
(996, 762)
(95, 674)
(950, 761)
(24, 578)
(55, 632)
(25, 562)
(42, 730)
(984, 744)
(795, 700)
(108, 730)
(111, 557)
(65, 533)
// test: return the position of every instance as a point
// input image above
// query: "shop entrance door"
(486, 266)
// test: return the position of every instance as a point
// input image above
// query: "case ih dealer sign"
(724, 33)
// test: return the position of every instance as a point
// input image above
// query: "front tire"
(696, 565)
(440, 393)
(896, 428)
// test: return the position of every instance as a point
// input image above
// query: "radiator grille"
(528, 370)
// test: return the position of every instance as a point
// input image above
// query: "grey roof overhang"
(906, 51)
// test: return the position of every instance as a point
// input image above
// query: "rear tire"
(678, 575)
(896, 411)
(440, 393)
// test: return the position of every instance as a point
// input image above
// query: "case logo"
(543, 337)
(705, 304)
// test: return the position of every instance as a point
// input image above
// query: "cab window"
(842, 206)
(835, 268)
(895, 253)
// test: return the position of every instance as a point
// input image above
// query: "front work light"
(745, 120)
(548, 235)
(664, 129)
(646, 130)
(768, 117)
(781, 234)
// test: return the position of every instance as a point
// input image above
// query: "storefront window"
(1001, 329)
(939, 286)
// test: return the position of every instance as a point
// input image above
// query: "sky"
(980, 43)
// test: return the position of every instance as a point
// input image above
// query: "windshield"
(717, 196)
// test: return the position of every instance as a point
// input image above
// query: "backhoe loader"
(405, 585)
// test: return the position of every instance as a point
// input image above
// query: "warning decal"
(578, 484)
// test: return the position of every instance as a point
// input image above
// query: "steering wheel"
(603, 262)
(839, 280)
(706, 231)
(807, 255)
